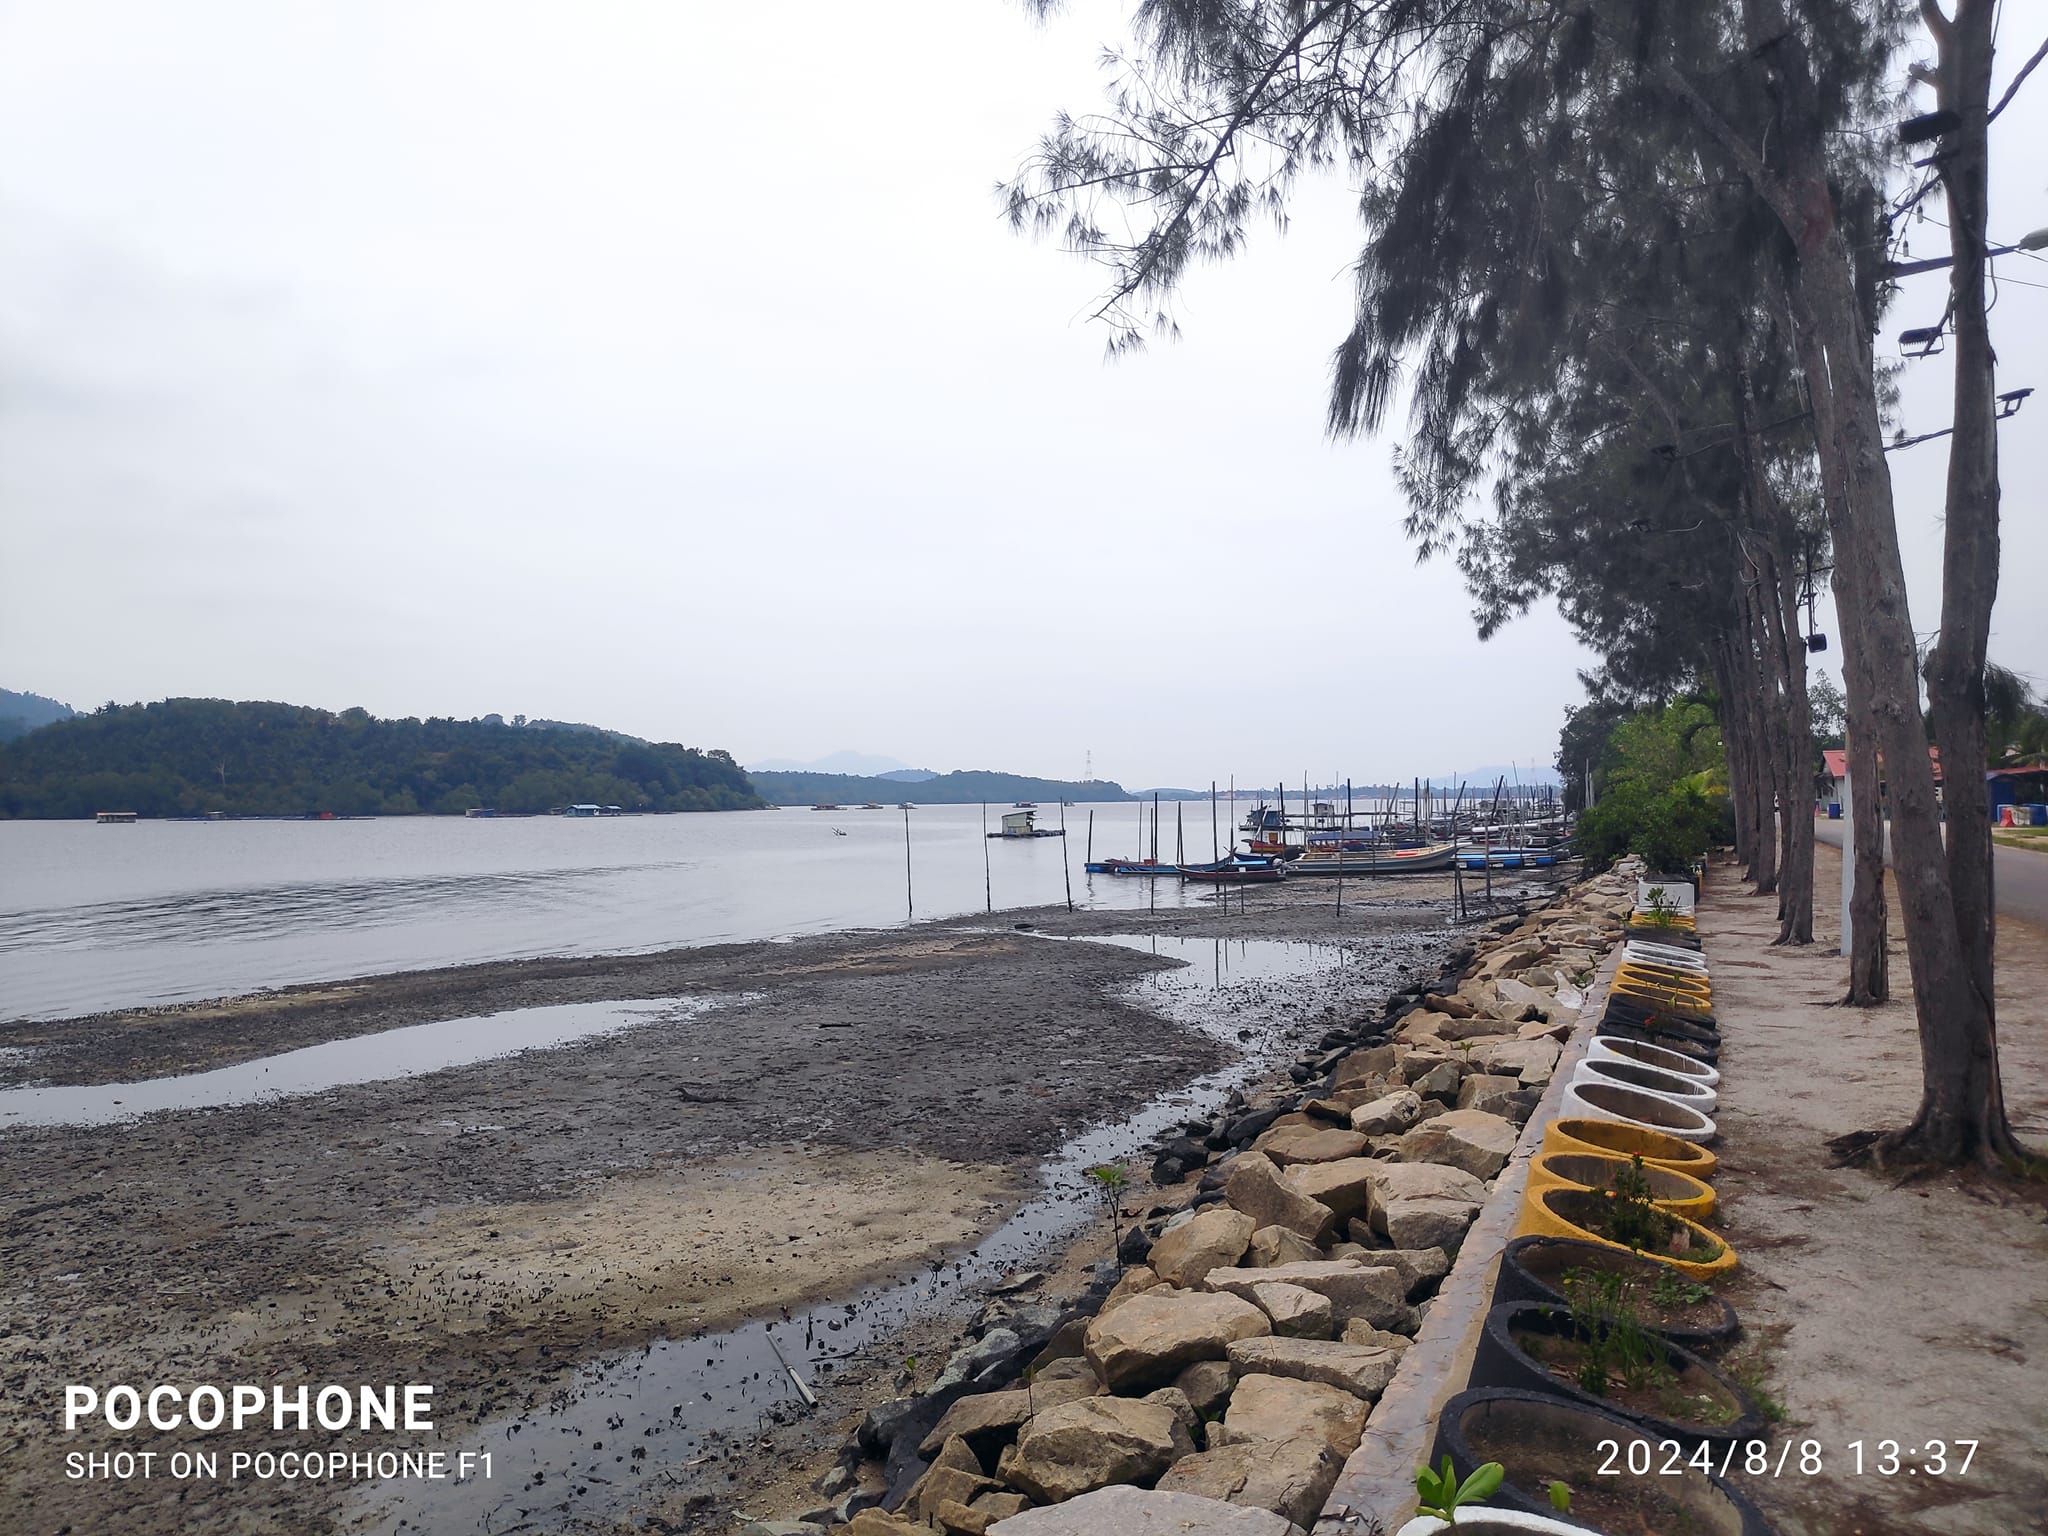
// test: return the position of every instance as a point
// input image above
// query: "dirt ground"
(1877, 1307)
(876, 1099)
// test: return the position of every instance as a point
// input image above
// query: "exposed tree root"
(1916, 1151)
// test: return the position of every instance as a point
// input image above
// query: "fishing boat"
(1147, 867)
(115, 818)
(871, 805)
(1508, 858)
(1425, 859)
(1235, 872)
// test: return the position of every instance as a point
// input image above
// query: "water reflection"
(373, 1058)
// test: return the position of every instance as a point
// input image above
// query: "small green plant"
(1442, 1495)
(1671, 1290)
(1560, 1497)
(1110, 1183)
(1663, 912)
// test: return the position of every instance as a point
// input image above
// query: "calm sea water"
(96, 917)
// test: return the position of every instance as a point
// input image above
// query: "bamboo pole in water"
(988, 884)
(1066, 863)
(909, 900)
(1180, 833)
(1089, 857)
(1215, 846)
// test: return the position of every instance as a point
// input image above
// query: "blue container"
(1834, 810)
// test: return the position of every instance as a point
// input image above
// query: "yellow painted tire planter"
(1664, 1000)
(1610, 1138)
(1550, 1210)
(1665, 976)
(1678, 1193)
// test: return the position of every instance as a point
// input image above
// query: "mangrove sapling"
(1441, 1494)
(1110, 1183)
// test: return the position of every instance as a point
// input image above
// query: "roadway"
(2021, 874)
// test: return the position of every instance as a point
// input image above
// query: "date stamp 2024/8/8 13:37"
(1796, 1458)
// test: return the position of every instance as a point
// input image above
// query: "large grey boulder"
(1470, 1139)
(1256, 1188)
(1293, 1479)
(1355, 1289)
(1277, 1245)
(1324, 1146)
(1488, 1091)
(1424, 1221)
(1387, 1115)
(1215, 1238)
(1146, 1341)
(1363, 1370)
(1407, 1181)
(1145, 1512)
(1533, 1061)
(1339, 1186)
(1296, 1313)
(1278, 1408)
(1074, 1448)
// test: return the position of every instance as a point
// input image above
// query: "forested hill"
(195, 756)
(966, 787)
(21, 713)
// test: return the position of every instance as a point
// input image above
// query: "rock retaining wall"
(1240, 1353)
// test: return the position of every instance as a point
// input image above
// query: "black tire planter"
(1677, 938)
(1707, 1051)
(1536, 1438)
(1501, 1362)
(1517, 1281)
(1623, 1009)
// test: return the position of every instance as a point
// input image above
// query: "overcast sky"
(640, 364)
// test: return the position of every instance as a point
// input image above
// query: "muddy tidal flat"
(764, 1127)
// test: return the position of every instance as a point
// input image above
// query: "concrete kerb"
(1378, 1480)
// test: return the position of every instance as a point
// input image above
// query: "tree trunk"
(1955, 669)
(1722, 662)
(1868, 950)
(1962, 1111)
(1795, 751)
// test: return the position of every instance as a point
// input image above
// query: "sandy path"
(1881, 1310)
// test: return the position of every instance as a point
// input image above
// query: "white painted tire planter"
(1678, 895)
(1668, 955)
(1689, 1091)
(1603, 1099)
(1483, 1520)
(1644, 1054)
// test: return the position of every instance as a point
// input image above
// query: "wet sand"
(870, 1101)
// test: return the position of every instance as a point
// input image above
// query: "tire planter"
(1611, 1138)
(1668, 978)
(1490, 1520)
(1633, 1106)
(1530, 1269)
(1560, 1210)
(1679, 1193)
(1650, 952)
(1688, 1007)
(1623, 1007)
(1502, 1362)
(1537, 1437)
(1689, 1091)
(1678, 938)
(1677, 1063)
(1703, 1046)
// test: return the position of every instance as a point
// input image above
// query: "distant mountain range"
(968, 787)
(856, 764)
(21, 713)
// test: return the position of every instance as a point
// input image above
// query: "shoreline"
(884, 1099)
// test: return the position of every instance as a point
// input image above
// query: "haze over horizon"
(448, 359)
